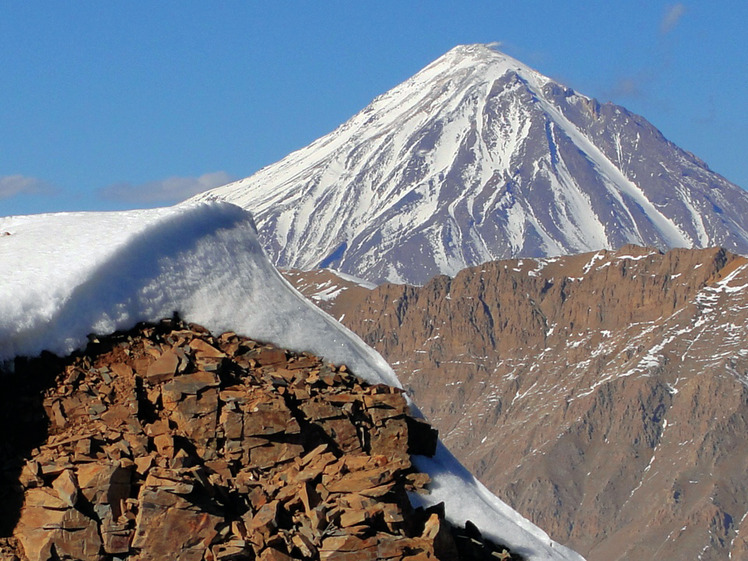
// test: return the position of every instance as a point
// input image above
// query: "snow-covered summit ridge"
(70, 274)
(479, 63)
(479, 157)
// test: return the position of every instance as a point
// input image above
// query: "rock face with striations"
(168, 443)
(604, 395)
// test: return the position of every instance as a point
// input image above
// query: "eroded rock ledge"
(165, 442)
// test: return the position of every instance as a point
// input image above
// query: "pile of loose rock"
(165, 442)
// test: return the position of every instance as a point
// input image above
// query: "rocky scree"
(165, 442)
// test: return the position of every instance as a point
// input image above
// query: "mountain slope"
(603, 395)
(68, 275)
(478, 157)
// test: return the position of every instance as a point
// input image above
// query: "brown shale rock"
(168, 443)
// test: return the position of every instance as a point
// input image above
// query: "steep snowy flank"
(67, 275)
(479, 157)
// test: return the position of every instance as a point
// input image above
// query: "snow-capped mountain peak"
(479, 157)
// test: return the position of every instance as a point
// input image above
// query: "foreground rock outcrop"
(168, 443)
(614, 384)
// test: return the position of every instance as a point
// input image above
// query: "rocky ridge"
(615, 385)
(167, 442)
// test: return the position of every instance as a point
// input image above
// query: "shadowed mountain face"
(602, 395)
(475, 158)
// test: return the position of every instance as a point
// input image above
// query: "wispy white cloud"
(628, 86)
(634, 85)
(673, 15)
(165, 191)
(13, 185)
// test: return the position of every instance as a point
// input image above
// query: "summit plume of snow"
(70, 274)
(479, 157)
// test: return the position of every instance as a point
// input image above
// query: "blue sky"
(110, 105)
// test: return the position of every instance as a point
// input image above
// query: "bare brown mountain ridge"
(602, 395)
